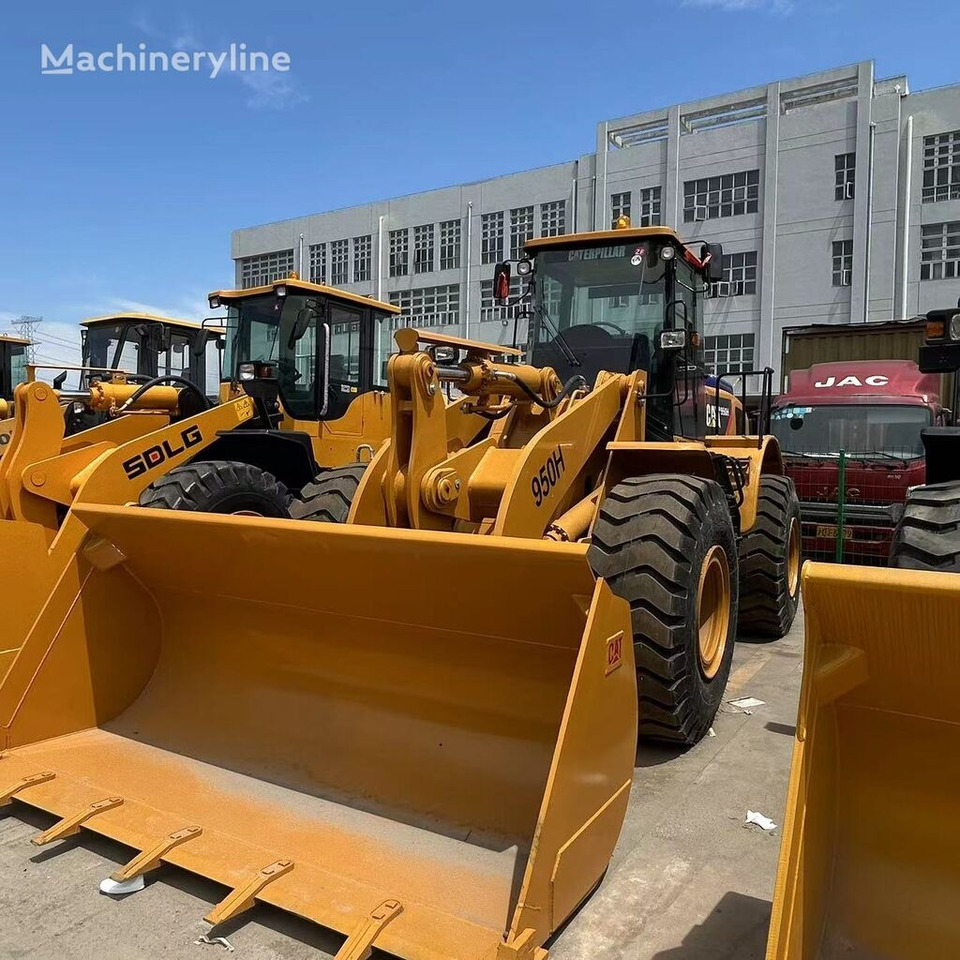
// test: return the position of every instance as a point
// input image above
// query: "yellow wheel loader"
(119, 353)
(13, 370)
(417, 728)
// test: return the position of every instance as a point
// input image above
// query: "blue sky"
(118, 190)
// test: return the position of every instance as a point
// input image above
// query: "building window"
(729, 353)
(427, 306)
(845, 169)
(941, 167)
(491, 239)
(740, 273)
(318, 263)
(553, 218)
(399, 253)
(729, 195)
(423, 248)
(491, 310)
(401, 299)
(842, 263)
(521, 230)
(940, 251)
(450, 245)
(362, 249)
(339, 262)
(650, 207)
(265, 268)
(619, 207)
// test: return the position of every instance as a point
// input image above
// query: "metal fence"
(851, 503)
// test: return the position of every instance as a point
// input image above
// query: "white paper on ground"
(746, 703)
(764, 823)
(215, 941)
(117, 888)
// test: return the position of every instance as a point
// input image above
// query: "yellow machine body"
(870, 855)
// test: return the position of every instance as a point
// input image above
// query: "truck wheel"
(928, 534)
(770, 561)
(666, 544)
(219, 486)
(328, 498)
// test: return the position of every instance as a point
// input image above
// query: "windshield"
(598, 308)
(858, 429)
(112, 346)
(18, 364)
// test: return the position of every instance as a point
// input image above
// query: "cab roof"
(18, 341)
(624, 235)
(141, 318)
(295, 283)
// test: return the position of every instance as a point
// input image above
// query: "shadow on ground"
(735, 930)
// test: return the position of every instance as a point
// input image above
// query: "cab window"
(343, 382)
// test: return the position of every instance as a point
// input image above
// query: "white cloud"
(267, 89)
(738, 6)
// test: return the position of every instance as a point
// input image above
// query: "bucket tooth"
(359, 944)
(71, 825)
(7, 795)
(150, 859)
(243, 898)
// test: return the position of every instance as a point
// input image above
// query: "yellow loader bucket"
(870, 857)
(424, 741)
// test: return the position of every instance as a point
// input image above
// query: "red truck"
(872, 411)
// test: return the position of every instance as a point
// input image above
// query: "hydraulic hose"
(156, 381)
(576, 382)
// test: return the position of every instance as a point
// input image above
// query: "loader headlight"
(247, 371)
(673, 339)
(524, 268)
(282, 290)
(667, 253)
(214, 302)
(955, 327)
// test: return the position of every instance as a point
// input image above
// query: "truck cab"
(13, 368)
(872, 412)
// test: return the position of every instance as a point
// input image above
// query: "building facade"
(836, 197)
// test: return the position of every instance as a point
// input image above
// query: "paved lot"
(688, 880)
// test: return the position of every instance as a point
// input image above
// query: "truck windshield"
(598, 308)
(861, 429)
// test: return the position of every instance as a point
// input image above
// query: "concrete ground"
(688, 881)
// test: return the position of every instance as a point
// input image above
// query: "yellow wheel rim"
(793, 558)
(713, 610)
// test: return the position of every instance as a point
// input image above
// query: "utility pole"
(26, 327)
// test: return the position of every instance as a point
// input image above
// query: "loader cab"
(314, 348)
(145, 346)
(13, 364)
(624, 300)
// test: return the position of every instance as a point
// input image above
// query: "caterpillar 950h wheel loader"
(417, 728)
(870, 857)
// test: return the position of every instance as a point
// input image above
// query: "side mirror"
(711, 254)
(305, 315)
(501, 283)
(59, 380)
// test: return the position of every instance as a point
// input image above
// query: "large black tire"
(770, 560)
(928, 534)
(219, 486)
(328, 498)
(653, 543)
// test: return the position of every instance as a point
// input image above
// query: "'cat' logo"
(154, 456)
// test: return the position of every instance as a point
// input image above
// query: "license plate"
(825, 532)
